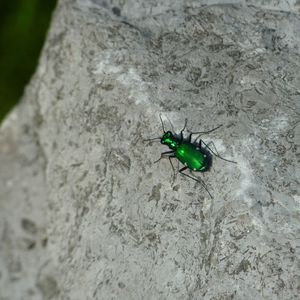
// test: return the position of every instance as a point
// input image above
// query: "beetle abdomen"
(192, 157)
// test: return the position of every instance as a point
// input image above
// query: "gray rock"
(84, 211)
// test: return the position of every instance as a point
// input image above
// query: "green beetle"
(194, 155)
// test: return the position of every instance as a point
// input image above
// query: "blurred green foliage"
(23, 28)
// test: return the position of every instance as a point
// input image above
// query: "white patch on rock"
(106, 66)
(279, 123)
(129, 78)
(138, 88)
(103, 68)
(275, 126)
(247, 177)
(9, 120)
(297, 200)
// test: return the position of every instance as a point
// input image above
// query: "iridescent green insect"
(194, 155)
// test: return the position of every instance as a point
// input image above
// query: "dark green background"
(23, 28)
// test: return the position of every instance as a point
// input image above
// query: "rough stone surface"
(84, 212)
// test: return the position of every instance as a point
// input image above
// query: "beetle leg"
(164, 154)
(174, 173)
(215, 153)
(169, 155)
(214, 146)
(183, 169)
(196, 179)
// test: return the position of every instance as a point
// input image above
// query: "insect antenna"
(152, 139)
(171, 124)
(162, 124)
(185, 123)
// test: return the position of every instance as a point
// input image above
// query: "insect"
(194, 155)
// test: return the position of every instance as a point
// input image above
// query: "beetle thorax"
(170, 140)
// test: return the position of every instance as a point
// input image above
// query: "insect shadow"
(196, 155)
